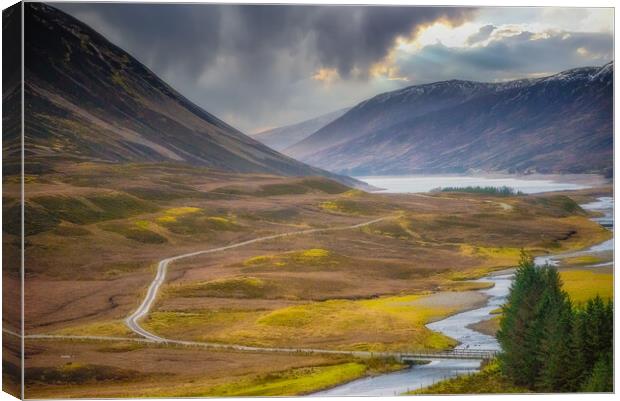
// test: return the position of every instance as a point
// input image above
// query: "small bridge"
(476, 354)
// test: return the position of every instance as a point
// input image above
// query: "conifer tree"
(602, 377)
(577, 369)
(548, 344)
(517, 334)
(555, 319)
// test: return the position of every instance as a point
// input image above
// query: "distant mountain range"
(88, 100)
(283, 137)
(557, 124)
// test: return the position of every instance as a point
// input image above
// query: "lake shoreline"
(528, 183)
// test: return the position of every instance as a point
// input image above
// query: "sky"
(261, 66)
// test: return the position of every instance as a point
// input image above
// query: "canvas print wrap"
(205, 200)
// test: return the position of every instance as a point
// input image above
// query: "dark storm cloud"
(482, 34)
(254, 54)
(253, 65)
(509, 57)
(193, 35)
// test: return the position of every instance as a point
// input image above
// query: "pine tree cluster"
(549, 344)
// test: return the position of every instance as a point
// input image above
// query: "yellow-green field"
(109, 328)
(385, 323)
(582, 285)
(289, 383)
(581, 260)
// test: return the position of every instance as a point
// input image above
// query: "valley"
(91, 261)
(153, 249)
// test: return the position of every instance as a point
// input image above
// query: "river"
(456, 326)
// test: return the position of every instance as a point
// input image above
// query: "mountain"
(557, 124)
(88, 100)
(282, 137)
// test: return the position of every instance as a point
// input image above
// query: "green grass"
(488, 381)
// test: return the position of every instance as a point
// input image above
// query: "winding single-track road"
(132, 320)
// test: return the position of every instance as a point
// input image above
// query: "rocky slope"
(88, 100)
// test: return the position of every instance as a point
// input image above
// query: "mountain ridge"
(280, 138)
(88, 99)
(515, 125)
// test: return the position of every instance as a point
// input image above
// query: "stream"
(456, 326)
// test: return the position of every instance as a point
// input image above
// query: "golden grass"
(180, 211)
(178, 323)
(289, 383)
(166, 219)
(386, 323)
(495, 255)
(170, 215)
(581, 260)
(232, 287)
(489, 326)
(315, 257)
(462, 285)
(314, 253)
(258, 260)
(393, 228)
(354, 193)
(582, 285)
(347, 206)
(377, 324)
(113, 328)
(587, 233)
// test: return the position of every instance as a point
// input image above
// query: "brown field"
(79, 370)
(91, 252)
